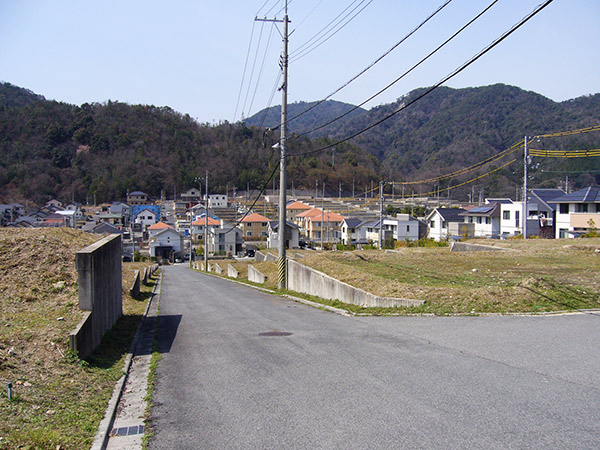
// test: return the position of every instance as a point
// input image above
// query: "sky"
(190, 55)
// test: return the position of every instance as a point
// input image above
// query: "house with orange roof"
(301, 219)
(153, 230)
(295, 208)
(328, 224)
(199, 224)
(254, 227)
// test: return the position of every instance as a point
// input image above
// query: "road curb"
(101, 439)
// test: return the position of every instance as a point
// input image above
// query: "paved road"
(366, 383)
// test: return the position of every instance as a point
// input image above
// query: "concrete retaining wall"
(232, 271)
(218, 269)
(134, 291)
(309, 281)
(464, 247)
(255, 276)
(271, 257)
(259, 256)
(100, 284)
(145, 275)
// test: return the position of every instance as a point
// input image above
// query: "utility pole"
(340, 192)
(525, 190)
(282, 263)
(206, 226)
(352, 189)
(380, 215)
(322, 215)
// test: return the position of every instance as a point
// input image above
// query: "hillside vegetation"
(51, 149)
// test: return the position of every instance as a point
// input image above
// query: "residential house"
(138, 198)
(353, 231)
(254, 227)
(166, 243)
(301, 219)
(146, 218)
(217, 201)
(54, 203)
(404, 227)
(326, 227)
(226, 240)
(439, 220)
(192, 195)
(292, 235)
(153, 230)
(540, 209)
(294, 208)
(486, 220)
(199, 224)
(577, 213)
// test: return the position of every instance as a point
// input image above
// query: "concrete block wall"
(309, 281)
(232, 271)
(464, 247)
(135, 286)
(100, 284)
(255, 275)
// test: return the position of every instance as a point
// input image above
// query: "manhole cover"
(275, 333)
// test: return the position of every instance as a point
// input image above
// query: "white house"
(227, 240)
(404, 227)
(146, 218)
(577, 212)
(486, 219)
(292, 235)
(166, 243)
(353, 231)
(217, 201)
(192, 195)
(439, 222)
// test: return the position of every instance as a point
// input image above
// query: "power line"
(442, 81)
(253, 66)
(261, 70)
(307, 16)
(442, 6)
(316, 45)
(439, 47)
(237, 103)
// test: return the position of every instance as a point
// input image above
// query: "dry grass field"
(58, 400)
(530, 276)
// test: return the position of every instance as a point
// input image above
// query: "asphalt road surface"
(242, 369)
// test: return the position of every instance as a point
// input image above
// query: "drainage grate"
(128, 431)
(275, 333)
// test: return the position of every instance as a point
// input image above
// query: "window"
(432, 224)
(582, 207)
(479, 220)
(408, 228)
(264, 224)
(487, 220)
(517, 217)
(444, 224)
(506, 215)
(249, 233)
(564, 208)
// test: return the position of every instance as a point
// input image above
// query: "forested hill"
(449, 129)
(51, 149)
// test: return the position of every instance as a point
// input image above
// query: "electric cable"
(315, 45)
(253, 65)
(324, 29)
(405, 73)
(439, 83)
(237, 103)
(362, 72)
(262, 66)
(307, 16)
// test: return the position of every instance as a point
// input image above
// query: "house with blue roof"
(486, 220)
(577, 213)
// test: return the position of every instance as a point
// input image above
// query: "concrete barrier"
(134, 291)
(260, 256)
(255, 275)
(309, 281)
(202, 267)
(298, 256)
(464, 247)
(218, 269)
(209, 267)
(100, 293)
(145, 275)
(271, 257)
(232, 271)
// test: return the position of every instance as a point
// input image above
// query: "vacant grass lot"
(531, 276)
(58, 400)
